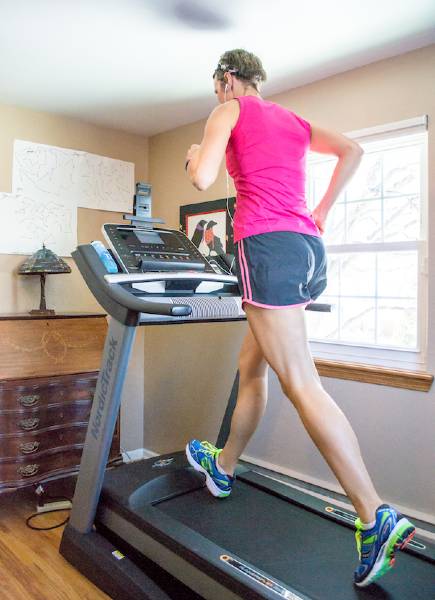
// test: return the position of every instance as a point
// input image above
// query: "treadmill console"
(141, 249)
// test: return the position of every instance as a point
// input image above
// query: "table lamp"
(43, 262)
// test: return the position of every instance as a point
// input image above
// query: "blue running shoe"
(202, 457)
(376, 546)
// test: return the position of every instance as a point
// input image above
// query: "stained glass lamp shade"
(43, 262)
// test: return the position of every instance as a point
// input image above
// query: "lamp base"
(38, 311)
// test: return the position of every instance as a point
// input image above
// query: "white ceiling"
(145, 65)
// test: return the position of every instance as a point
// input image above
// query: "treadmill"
(150, 529)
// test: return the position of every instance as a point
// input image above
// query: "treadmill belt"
(302, 549)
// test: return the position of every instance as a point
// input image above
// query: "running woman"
(281, 267)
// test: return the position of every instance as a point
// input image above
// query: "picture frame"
(209, 225)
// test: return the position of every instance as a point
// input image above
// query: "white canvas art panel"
(49, 184)
(26, 224)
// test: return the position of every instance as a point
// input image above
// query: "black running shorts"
(280, 269)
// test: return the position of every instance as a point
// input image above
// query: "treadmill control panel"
(141, 249)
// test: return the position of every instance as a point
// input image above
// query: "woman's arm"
(349, 157)
(205, 159)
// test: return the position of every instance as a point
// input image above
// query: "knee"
(300, 392)
(252, 366)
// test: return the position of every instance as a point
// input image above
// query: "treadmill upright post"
(224, 431)
(105, 407)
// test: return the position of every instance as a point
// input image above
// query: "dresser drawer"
(33, 393)
(23, 445)
(24, 471)
(42, 418)
(52, 346)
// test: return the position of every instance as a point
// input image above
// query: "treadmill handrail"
(106, 293)
(126, 299)
(169, 276)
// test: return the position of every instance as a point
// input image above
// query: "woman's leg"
(251, 402)
(281, 336)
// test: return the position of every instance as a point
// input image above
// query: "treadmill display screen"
(149, 237)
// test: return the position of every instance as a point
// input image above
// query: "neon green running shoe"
(202, 457)
(376, 546)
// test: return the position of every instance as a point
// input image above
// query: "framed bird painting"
(209, 226)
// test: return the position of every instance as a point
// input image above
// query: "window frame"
(377, 355)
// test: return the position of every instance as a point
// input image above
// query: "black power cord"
(38, 514)
(114, 462)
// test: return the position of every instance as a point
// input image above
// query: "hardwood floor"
(31, 567)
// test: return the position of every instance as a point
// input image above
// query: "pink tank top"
(266, 157)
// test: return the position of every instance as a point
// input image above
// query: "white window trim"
(392, 357)
(405, 127)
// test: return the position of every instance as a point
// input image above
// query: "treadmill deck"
(298, 548)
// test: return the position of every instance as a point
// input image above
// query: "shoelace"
(208, 448)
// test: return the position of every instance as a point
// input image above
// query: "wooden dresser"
(48, 373)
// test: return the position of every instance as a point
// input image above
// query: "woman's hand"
(319, 217)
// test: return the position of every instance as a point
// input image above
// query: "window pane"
(358, 274)
(397, 274)
(319, 176)
(402, 171)
(364, 221)
(335, 230)
(397, 323)
(401, 219)
(322, 325)
(333, 276)
(367, 181)
(357, 320)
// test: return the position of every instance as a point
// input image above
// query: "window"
(377, 251)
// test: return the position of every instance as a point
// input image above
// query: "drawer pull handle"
(29, 424)
(27, 401)
(28, 470)
(29, 447)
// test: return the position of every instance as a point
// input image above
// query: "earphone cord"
(228, 193)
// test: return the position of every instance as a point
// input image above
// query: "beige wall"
(395, 427)
(67, 293)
